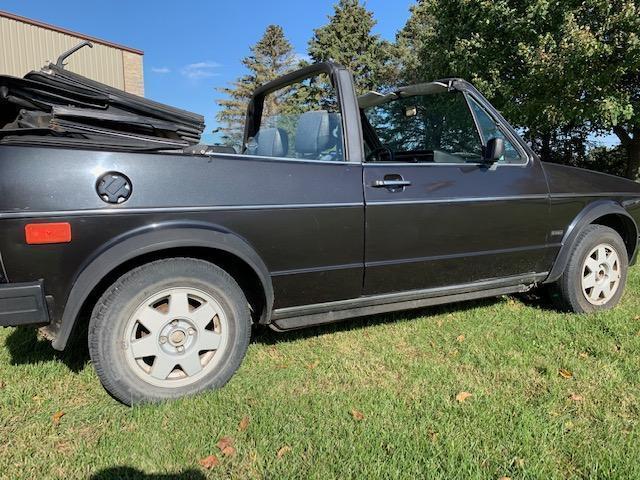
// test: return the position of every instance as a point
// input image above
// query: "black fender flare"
(588, 215)
(151, 239)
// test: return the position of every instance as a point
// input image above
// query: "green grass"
(401, 371)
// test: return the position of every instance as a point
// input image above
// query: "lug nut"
(181, 348)
(192, 331)
(174, 323)
(163, 339)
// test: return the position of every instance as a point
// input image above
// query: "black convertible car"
(336, 206)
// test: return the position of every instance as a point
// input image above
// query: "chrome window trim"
(285, 159)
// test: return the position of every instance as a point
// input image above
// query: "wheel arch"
(607, 213)
(172, 239)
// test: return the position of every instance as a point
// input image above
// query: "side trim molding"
(295, 323)
(298, 317)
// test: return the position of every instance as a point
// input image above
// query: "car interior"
(315, 135)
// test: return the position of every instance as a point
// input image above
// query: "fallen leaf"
(460, 338)
(225, 442)
(313, 365)
(583, 355)
(283, 451)
(229, 451)
(209, 462)
(244, 424)
(566, 374)
(576, 398)
(463, 396)
(504, 478)
(56, 417)
(357, 415)
(273, 352)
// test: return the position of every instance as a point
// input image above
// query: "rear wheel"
(167, 329)
(596, 274)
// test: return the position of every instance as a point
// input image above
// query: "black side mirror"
(494, 150)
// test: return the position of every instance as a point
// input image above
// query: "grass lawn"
(552, 396)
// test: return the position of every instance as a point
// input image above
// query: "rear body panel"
(304, 219)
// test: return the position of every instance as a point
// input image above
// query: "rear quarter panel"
(304, 219)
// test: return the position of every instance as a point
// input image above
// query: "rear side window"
(300, 121)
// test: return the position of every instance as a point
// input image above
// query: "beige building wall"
(27, 45)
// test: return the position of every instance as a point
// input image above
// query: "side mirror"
(494, 150)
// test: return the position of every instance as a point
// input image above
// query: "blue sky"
(193, 46)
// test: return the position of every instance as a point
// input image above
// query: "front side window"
(490, 129)
(436, 127)
(300, 121)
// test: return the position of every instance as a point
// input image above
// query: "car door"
(436, 215)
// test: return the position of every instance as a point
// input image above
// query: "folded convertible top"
(56, 107)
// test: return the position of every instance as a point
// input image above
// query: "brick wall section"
(133, 73)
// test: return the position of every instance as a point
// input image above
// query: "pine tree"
(270, 58)
(348, 40)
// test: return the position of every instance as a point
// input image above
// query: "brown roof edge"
(68, 32)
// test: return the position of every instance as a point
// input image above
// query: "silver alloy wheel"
(176, 337)
(601, 274)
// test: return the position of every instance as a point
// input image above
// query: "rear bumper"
(23, 304)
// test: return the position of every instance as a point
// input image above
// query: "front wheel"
(168, 329)
(596, 274)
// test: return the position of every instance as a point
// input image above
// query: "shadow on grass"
(544, 297)
(25, 347)
(269, 337)
(130, 473)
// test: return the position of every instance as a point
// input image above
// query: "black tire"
(569, 295)
(109, 337)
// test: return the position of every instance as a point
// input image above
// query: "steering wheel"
(375, 153)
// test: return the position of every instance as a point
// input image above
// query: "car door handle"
(391, 183)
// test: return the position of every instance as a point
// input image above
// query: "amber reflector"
(42, 233)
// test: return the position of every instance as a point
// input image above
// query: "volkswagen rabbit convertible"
(336, 206)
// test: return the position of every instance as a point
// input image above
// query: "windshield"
(435, 127)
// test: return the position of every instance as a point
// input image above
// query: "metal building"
(27, 45)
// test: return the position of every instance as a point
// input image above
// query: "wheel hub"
(178, 336)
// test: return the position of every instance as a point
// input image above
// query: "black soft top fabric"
(54, 106)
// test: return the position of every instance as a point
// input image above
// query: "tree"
(348, 40)
(556, 69)
(270, 58)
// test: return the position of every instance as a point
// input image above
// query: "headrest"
(271, 142)
(314, 133)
